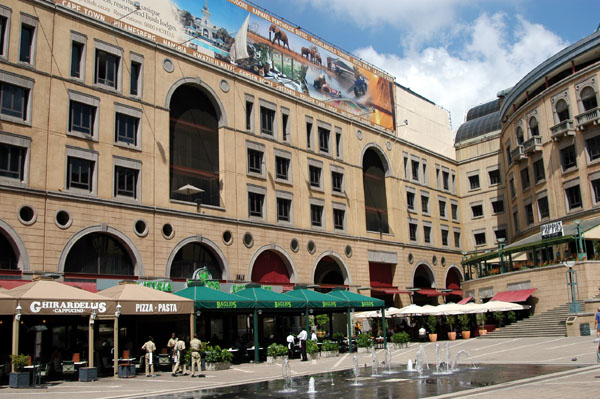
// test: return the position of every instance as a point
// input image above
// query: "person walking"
(597, 323)
(302, 338)
(179, 351)
(195, 346)
(290, 343)
(149, 347)
(171, 347)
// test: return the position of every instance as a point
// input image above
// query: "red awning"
(513, 296)
(391, 290)
(465, 300)
(431, 292)
(455, 292)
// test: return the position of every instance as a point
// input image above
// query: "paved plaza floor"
(582, 382)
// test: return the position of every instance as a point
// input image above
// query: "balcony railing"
(588, 118)
(518, 154)
(563, 129)
(533, 144)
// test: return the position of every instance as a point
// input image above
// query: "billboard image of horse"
(245, 39)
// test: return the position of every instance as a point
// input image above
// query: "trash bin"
(584, 329)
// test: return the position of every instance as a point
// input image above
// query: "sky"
(456, 53)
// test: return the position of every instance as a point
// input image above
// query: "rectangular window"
(508, 155)
(339, 217)
(424, 203)
(529, 219)
(323, 139)
(107, 69)
(593, 147)
(500, 233)
(494, 176)
(442, 205)
(498, 206)
(474, 182)
(267, 117)
(337, 182)
(410, 200)
(309, 128)
(415, 169)
(315, 176)
(445, 237)
(516, 220)
(26, 45)
(77, 51)
(573, 197)
(283, 209)
(477, 210)
(424, 168)
(285, 126)
(82, 118)
(457, 239)
(539, 174)
(316, 215)
(126, 182)
(406, 165)
(596, 190)
(454, 209)
(13, 101)
(135, 81)
(479, 238)
(427, 234)
(4, 31)
(126, 129)
(282, 167)
(543, 207)
(512, 187)
(525, 183)
(568, 158)
(338, 144)
(80, 173)
(255, 204)
(412, 231)
(255, 160)
(12, 161)
(249, 114)
(446, 180)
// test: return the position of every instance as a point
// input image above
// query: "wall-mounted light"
(310, 311)
(198, 313)
(18, 315)
(118, 311)
(93, 317)
(259, 311)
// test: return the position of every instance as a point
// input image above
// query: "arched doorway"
(424, 278)
(374, 172)
(99, 254)
(194, 145)
(8, 257)
(192, 256)
(329, 274)
(453, 282)
(270, 268)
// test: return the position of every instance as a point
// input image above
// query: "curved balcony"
(518, 154)
(534, 144)
(588, 118)
(563, 129)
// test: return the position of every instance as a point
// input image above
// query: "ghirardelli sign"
(67, 307)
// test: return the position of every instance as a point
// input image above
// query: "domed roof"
(482, 119)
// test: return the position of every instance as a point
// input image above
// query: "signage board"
(550, 230)
(241, 38)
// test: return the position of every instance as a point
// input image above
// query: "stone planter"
(274, 359)
(330, 353)
(432, 337)
(452, 335)
(87, 374)
(312, 356)
(19, 380)
(397, 345)
(466, 334)
(362, 349)
(482, 332)
(218, 366)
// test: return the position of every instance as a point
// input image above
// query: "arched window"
(270, 268)
(195, 256)
(588, 98)
(328, 272)
(562, 110)
(375, 193)
(533, 126)
(8, 258)
(99, 253)
(519, 135)
(194, 146)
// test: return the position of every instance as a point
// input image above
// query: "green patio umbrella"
(317, 300)
(210, 298)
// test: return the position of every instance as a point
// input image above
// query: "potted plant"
(312, 349)
(499, 316)
(18, 378)
(363, 342)
(330, 349)
(400, 339)
(321, 320)
(511, 316)
(217, 358)
(431, 322)
(275, 352)
(463, 319)
(481, 323)
(451, 320)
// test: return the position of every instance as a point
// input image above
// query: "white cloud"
(490, 59)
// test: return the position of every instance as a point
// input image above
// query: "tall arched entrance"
(329, 274)
(193, 256)
(271, 268)
(425, 280)
(8, 257)
(374, 171)
(194, 146)
(453, 282)
(99, 254)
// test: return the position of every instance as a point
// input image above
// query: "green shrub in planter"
(499, 316)
(364, 341)
(311, 347)
(481, 320)
(511, 316)
(338, 336)
(431, 322)
(276, 350)
(19, 361)
(400, 338)
(330, 346)
(451, 320)
(464, 321)
(215, 354)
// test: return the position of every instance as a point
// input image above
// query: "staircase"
(547, 324)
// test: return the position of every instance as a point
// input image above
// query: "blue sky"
(458, 53)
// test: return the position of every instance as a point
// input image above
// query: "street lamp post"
(572, 289)
(579, 241)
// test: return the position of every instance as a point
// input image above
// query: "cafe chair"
(68, 368)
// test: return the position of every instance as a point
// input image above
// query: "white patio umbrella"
(450, 309)
(501, 306)
(430, 310)
(469, 308)
(410, 310)
(393, 312)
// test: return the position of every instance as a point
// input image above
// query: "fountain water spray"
(442, 358)
(464, 354)
(409, 365)
(356, 370)
(311, 385)
(388, 361)
(421, 361)
(287, 376)
(375, 369)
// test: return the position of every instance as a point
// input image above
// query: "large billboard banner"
(241, 38)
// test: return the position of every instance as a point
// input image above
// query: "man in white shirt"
(422, 334)
(302, 338)
(290, 340)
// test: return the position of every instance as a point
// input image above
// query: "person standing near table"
(302, 338)
(290, 343)
(171, 347)
(179, 354)
(149, 347)
(195, 346)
